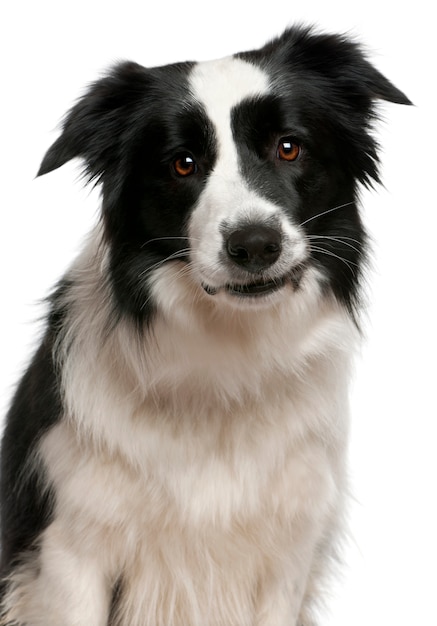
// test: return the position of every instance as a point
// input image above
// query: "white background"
(51, 50)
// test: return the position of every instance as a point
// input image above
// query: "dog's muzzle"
(252, 251)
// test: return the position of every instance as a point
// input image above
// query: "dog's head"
(238, 175)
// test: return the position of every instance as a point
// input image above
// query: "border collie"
(175, 452)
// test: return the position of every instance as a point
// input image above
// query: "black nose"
(254, 247)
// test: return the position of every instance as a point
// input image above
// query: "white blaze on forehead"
(221, 85)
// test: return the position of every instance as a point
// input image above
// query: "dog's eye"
(184, 165)
(288, 149)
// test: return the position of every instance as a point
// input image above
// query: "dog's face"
(238, 175)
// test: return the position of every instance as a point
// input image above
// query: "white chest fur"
(201, 465)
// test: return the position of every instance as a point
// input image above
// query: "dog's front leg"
(283, 590)
(57, 585)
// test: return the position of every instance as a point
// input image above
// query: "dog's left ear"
(96, 128)
(337, 59)
(378, 86)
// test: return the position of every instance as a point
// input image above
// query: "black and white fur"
(175, 453)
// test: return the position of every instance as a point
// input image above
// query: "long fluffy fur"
(175, 453)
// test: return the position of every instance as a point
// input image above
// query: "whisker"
(336, 208)
(188, 239)
(171, 257)
(329, 253)
(341, 240)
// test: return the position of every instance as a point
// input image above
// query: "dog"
(175, 452)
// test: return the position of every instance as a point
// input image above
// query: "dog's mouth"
(260, 288)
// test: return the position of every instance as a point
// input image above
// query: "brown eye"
(184, 165)
(288, 149)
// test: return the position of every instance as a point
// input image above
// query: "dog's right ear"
(95, 127)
